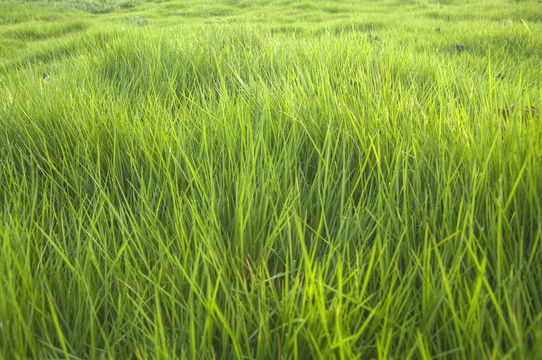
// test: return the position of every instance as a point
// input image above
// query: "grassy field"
(251, 179)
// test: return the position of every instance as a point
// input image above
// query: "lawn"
(253, 179)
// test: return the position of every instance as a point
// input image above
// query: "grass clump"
(244, 183)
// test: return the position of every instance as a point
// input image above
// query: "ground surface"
(270, 179)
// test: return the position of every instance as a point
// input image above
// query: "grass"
(251, 179)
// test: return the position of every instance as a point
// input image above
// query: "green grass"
(247, 179)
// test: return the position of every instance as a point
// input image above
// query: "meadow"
(252, 179)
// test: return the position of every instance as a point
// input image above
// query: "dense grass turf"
(255, 179)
